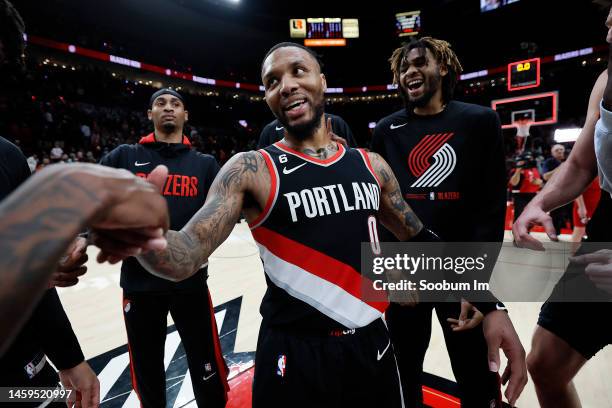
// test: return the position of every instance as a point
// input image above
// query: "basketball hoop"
(522, 127)
(522, 132)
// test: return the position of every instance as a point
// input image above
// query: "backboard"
(537, 109)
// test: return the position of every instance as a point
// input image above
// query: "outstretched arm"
(395, 214)
(189, 248)
(572, 177)
(40, 219)
(568, 182)
(603, 133)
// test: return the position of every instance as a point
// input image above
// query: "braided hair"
(442, 53)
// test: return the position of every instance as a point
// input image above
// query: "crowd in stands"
(78, 114)
(81, 114)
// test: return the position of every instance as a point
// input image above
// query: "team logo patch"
(281, 365)
(432, 160)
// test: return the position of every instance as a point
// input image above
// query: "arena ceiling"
(220, 39)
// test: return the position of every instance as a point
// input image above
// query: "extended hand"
(499, 333)
(531, 216)
(72, 265)
(465, 322)
(334, 137)
(598, 268)
(85, 385)
(136, 221)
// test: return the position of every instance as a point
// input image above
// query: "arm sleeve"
(57, 337)
(489, 204)
(489, 201)
(603, 148)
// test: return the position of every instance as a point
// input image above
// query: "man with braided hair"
(449, 160)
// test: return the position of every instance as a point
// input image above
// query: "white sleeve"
(603, 148)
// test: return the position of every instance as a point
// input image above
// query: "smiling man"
(147, 299)
(320, 344)
(449, 160)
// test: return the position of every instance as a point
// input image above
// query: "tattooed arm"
(395, 214)
(40, 219)
(189, 248)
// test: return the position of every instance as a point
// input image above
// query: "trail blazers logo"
(432, 160)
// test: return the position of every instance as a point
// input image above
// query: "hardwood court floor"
(236, 278)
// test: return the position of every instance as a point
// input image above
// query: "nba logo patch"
(126, 305)
(432, 196)
(30, 370)
(282, 363)
(207, 367)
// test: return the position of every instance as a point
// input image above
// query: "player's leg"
(372, 378)
(560, 347)
(410, 330)
(469, 358)
(295, 370)
(553, 364)
(192, 314)
(145, 318)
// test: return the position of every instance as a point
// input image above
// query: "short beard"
(306, 130)
(168, 127)
(432, 86)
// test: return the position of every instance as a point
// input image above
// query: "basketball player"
(40, 219)
(463, 199)
(569, 334)
(310, 203)
(47, 334)
(307, 202)
(38, 222)
(147, 299)
(275, 131)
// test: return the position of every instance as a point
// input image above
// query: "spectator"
(562, 215)
(56, 153)
(86, 132)
(525, 182)
(584, 206)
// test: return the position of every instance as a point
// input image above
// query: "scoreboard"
(524, 74)
(408, 23)
(324, 28)
(324, 31)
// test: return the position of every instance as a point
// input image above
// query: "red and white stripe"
(273, 195)
(332, 287)
(366, 160)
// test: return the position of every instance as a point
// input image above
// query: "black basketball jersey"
(309, 237)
